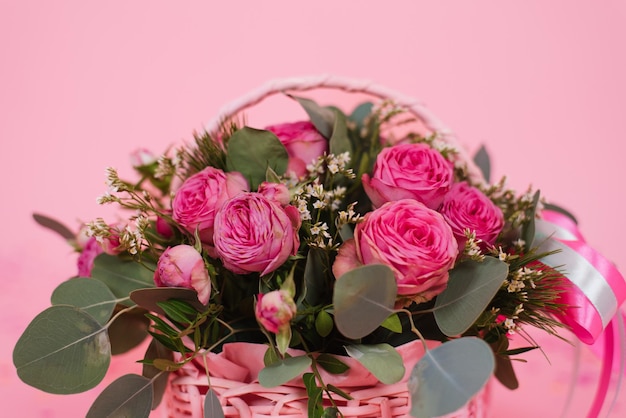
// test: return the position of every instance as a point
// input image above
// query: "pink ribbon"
(594, 294)
(596, 288)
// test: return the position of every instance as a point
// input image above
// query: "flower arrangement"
(349, 243)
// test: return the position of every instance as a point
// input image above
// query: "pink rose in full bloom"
(413, 240)
(277, 192)
(200, 197)
(409, 171)
(183, 266)
(466, 207)
(303, 143)
(255, 234)
(88, 253)
(274, 310)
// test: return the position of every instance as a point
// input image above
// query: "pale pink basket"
(184, 397)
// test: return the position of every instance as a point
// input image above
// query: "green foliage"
(122, 276)
(363, 299)
(212, 407)
(471, 287)
(447, 377)
(64, 350)
(156, 351)
(284, 370)
(55, 226)
(382, 360)
(128, 396)
(92, 296)
(129, 329)
(252, 151)
(481, 159)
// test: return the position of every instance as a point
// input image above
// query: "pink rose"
(466, 207)
(255, 234)
(200, 197)
(274, 310)
(183, 266)
(303, 143)
(413, 240)
(89, 251)
(409, 171)
(277, 192)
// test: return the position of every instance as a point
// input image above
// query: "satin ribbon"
(597, 288)
(596, 291)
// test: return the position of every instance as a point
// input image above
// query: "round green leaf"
(252, 151)
(363, 299)
(92, 296)
(471, 287)
(382, 360)
(63, 350)
(121, 276)
(448, 376)
(128, 396)
(282, 371)
(128, 331)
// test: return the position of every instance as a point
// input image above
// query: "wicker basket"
(242, 396)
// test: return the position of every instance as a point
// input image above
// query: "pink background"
(82, 84)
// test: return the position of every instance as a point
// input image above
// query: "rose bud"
(274, 310)
(183, 266)
(88, 253)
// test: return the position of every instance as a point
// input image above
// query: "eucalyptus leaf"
(363, 299)
(128, 396)
(54, 225)
(481, 159)
(361, 112)
(92, 296)
(382, 360)
(212, 406)
(150, 298)
(339, 141)
(282, 371)
(64, 350)
(448, 376)
(252, 151)
(471, 287)
(121, 276)
(128, 331)
(156, 350)
(322, 118)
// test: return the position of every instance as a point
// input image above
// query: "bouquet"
(355, 251)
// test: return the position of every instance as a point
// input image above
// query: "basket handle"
(348, 85)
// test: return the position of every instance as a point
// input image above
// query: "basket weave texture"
(244, 397)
